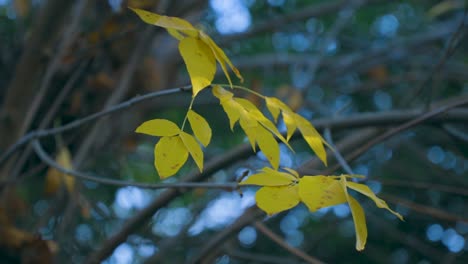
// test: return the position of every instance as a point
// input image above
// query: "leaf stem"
(242, 88)
(186, 115)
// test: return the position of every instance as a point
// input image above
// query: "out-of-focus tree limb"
(322, 9)
(278, 240)
(22, 88)
(353, 121)
(424, 209)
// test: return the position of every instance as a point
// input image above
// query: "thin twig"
(336, 152)
(425, 185)
(247, 257)
(49, 116)
(54, 65)
(354, 121)
(456, 132)
(403, 238)
(210, 248)
(276, 23)
(359, 62)
(117, 95)
(401, 128)
(344, 15)
(107, 181)
(278, 240)
(144, 215)
(21, 90)
(424, 209)
(446, 54)
(166, 245)
(82, 121)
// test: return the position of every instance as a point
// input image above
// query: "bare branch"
(82, 121)
(337, 153)
(259, 258)
(449, 50)
(354, 121)
(425, 209)
(107, 181)
(303, 13)
(118, 94)
(54, 65)
(209, 250)
(49, 116)
(456, 132)
(425, 185)
(21, 89)
(278, 240)
(405, 238)
(132, 224)
(403, 127)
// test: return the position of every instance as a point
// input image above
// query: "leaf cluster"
(281, 190)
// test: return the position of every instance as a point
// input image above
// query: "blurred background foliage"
(382, 61)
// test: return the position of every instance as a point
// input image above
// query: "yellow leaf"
(248, 126)
(293, 172)
(320, 191)
(232, 109)
(445, 7)
(360, 226)
(273, 107)
(275, 199)
(359, 217)
(256, 126)
(167, 22)
(269, 177)
(64, 159)
(266, 142)
(175, 33)
(288, 118)
(159, 128)
(175, 26)
(221, 93)
(55, 178)
(233, 112)
(22, 7)
(364, 189)
(312, 137)
(53, 181)
(257, 115)
(295, 99)
(193, 148)
(221, 57)
(268, 145)
(200, 127)
(170, 154)
(200, 63)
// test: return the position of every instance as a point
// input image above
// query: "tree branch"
(424, 209)
(21, 89)
(353, 121)
(132, 224)
(119, 183)
(449, 50)
(425, 185)
(403, 127)
(278, 240)
(279, 22)
(82, 121)
(209, 249)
